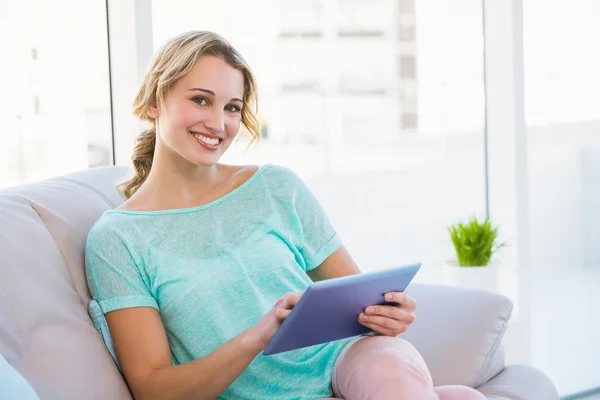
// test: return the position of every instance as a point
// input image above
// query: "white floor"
(593, 397)
(566, 328)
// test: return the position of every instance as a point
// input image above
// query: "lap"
(383, 349)
(382, 367)
(390, 363)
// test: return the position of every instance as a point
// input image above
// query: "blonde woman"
(200, 265)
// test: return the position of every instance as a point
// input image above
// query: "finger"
(405, 316)
(282, 314)
(383, 322)
(292, 298)
(279, 303)
(402, 299)
(384, 330)
(386, 311)
(380, 330)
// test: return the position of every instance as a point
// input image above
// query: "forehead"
(214, 74)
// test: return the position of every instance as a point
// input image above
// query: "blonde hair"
(169, 64)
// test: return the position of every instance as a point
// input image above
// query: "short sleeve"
(319, 238)
(114, 279)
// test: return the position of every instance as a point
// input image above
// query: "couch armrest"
(459, 332)
(520, 382)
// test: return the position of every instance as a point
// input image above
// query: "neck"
(174, 181)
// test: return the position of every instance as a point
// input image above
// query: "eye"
(232, 108)
(201, 101)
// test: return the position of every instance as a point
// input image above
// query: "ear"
(152, 111)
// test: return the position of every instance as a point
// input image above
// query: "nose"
(215, 121)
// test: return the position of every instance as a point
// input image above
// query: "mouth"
(210, 142)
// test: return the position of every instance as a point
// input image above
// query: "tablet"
(328, 310)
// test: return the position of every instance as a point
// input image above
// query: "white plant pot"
(481, 277)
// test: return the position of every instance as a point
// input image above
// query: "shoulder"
(131, 204)
(112, 240)
(268, 176)
(245, 172)
(239, 174)
(285, 184)
(109, 229)
(281, 176)
(137, 202)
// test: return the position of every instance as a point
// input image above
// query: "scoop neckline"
(248, 182)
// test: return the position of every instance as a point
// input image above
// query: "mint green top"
(215, 270)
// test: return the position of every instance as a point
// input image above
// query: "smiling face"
(201, 114)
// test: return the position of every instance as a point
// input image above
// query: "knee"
(398, 351)
(393, 358)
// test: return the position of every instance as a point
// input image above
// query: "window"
(406, 33)
(57, 119)
(409, 121)
(386, 130)
(406, 6)
(562, 110)
(408, 67)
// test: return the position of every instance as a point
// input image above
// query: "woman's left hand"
(390, 320)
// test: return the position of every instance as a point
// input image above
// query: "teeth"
(210, 141)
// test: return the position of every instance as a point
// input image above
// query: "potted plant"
(477, 260)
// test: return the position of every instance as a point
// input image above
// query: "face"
(202, 113)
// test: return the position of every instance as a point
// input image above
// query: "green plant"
(475, 242)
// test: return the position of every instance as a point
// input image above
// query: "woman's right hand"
(259, 335)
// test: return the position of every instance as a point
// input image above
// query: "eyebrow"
(213, 93)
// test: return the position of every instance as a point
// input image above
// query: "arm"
(340, 263)
(317, 239)
(144, 355)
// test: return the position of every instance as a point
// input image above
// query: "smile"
(211, 141)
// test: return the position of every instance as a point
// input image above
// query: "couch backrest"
(45, 331)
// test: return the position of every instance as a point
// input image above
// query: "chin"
(204, 161)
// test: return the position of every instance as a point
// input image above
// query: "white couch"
(47, 336)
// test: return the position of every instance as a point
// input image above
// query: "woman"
(203, 261)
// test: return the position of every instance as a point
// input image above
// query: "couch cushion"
(45, 330)
(472, 322)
